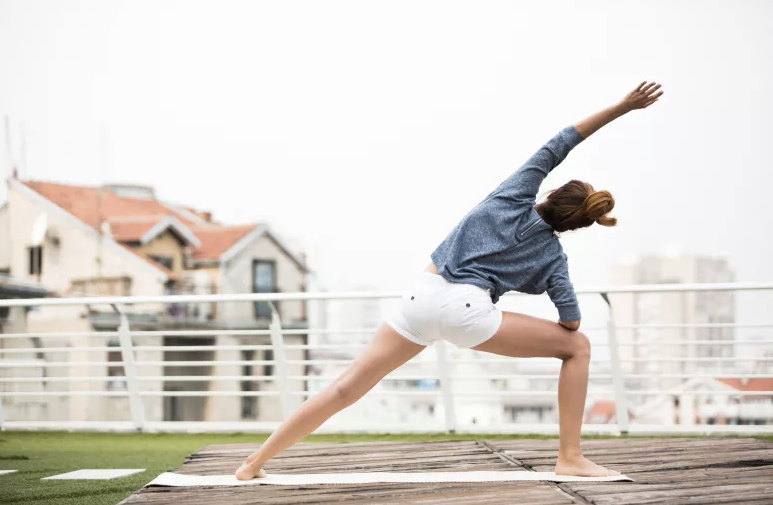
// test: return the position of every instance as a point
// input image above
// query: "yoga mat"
(177, 480)
(101, 474)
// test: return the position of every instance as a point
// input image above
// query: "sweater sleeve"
(525, 182)
(561, 292)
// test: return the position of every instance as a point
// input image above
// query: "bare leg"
(530, 337)
(387, 351)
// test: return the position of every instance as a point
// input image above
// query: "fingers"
(652, 90)
(649, 88)
(638, 88)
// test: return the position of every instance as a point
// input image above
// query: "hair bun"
(597, 205)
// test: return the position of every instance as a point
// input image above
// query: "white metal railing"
(449, 393)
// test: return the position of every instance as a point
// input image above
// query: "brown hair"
(577, 205)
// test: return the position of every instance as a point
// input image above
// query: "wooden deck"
(666, 471)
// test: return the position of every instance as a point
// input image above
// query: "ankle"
(253, 463)
(570, 455)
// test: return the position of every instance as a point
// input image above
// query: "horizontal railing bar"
(322, 378)
(17, 394)
(360, 427)
(36, 350)
(103, 334)
(686, 342)
(265, 297)
(259, 347)
(54, 364)
(692, 325)
(653, 359)
(394, 392)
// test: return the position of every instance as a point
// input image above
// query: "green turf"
(38, 455)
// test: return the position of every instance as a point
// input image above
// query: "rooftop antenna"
(9, 148)
(23, 156)
(102, 225)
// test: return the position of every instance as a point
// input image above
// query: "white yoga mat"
(102, 474)
(6, 472)
(177, 480)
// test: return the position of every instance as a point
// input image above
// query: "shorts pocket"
(462, 316)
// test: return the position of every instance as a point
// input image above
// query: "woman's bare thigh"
(522, 336)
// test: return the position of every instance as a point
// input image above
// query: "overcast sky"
(365, 130)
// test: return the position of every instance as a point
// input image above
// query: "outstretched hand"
(642, 97)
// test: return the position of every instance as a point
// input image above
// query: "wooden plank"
(692, 471)
(740, 493)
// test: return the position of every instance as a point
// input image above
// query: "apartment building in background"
(654, 349)
(121, 240)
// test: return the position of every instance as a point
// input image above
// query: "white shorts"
(434, 309)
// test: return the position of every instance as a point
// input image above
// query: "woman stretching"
(508, 242)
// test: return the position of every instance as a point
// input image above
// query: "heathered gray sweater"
(503, 244)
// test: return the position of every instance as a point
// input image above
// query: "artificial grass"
(43, 454)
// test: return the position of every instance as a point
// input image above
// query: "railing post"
(130, 370)
(621, 402)
(280, 362)
(445, 386)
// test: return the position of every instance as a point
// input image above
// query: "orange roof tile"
(217, 240)
(131, 218)
(604, 408)
(764, 384)
(132, 230)
(84, 203)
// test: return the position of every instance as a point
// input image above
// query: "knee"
(579, 345)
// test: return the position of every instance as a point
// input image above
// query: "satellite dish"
(105, 227)
(39, 229)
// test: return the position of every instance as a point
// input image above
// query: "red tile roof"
(603, 408)
(764, 384)
(217, 240)
(83, 202)
(131, 218)
(132, 230)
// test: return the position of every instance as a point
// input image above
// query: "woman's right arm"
(640, 98)
(525, 182)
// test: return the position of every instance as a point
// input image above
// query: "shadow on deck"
(665, 471)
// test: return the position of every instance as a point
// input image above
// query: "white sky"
(365, 130)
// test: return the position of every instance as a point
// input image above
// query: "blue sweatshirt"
(503, 244)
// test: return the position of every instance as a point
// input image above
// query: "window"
(249, 403)
(164, 261)
(115, 368)
(35, 260)
(268, 355)
(263, 281)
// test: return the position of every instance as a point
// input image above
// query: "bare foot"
(582, 467)
(247, 472)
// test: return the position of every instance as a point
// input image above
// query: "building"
(14, 320)
(123, 240)
(707, 400)
(655, 350)
(356, 319)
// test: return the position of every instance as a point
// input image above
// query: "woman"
(506, 243)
